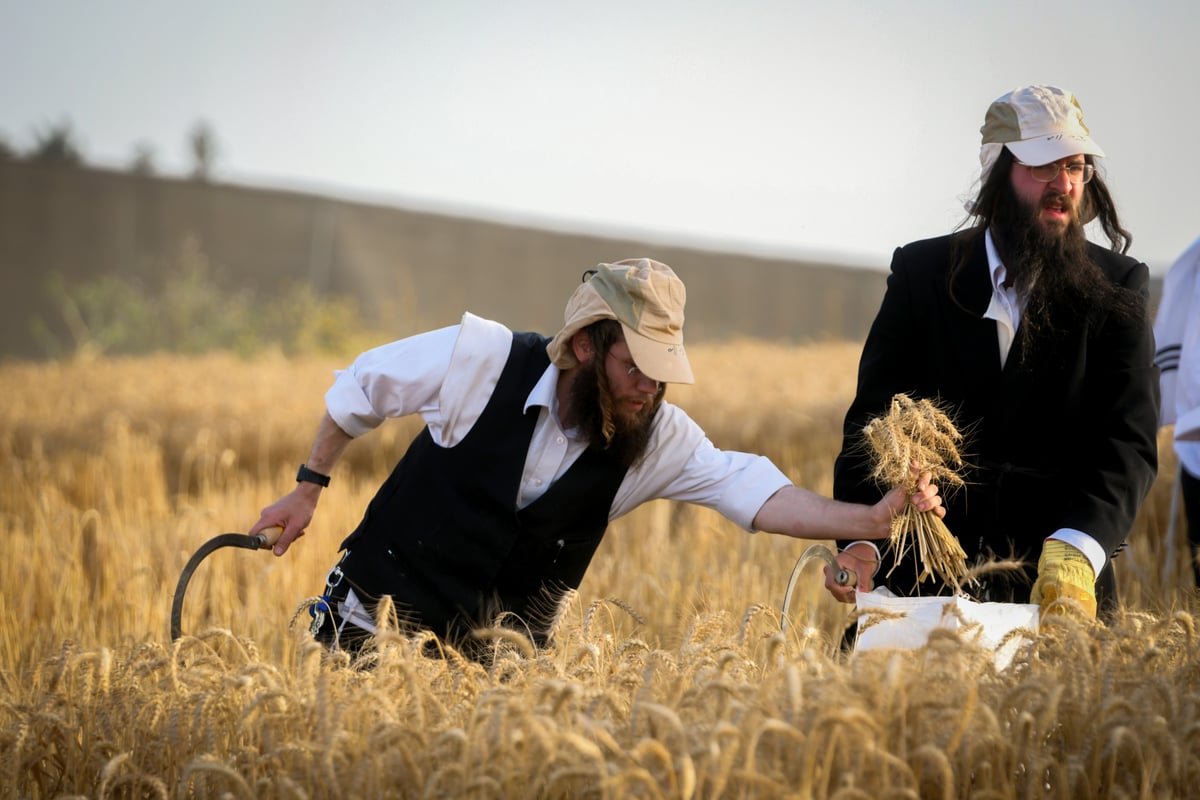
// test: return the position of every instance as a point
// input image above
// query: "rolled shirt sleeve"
(394, 380)
(682, 464)
(445, 375)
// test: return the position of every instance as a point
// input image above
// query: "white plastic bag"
(985, 623)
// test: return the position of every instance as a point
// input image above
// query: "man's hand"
(860, 559)
(292, 512)
(925, 498)
(1066, 582)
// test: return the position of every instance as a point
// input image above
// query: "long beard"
(624, 436)
(1050, 268)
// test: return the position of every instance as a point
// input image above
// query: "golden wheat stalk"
(917, 432)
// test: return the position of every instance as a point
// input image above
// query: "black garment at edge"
(444, 537)
(1189, 486)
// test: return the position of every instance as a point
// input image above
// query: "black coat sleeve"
(1119, 461)
(885, 368)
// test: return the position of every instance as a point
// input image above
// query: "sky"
(790, 128)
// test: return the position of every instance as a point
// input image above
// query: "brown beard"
(624, 436)
(1051, 269)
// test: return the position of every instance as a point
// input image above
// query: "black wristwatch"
(311, 476)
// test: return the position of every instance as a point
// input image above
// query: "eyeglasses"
(1076, 173)
(635, 373)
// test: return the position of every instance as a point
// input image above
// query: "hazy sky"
(782, 127)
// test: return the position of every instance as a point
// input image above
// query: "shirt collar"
(995, 265)
(545, 391)
(545, 395)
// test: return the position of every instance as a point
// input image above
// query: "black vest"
(443, 535)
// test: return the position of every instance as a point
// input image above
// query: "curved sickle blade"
(843, 577)
(256, 542)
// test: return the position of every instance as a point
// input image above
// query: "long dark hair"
(1097, 204)
(1056, 275)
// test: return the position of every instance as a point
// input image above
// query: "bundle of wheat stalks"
(917, 433)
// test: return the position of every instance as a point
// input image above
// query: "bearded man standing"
(1038, 345)
(531, 447)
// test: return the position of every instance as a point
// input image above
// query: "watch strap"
(311, 476)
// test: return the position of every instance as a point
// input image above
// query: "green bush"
(191, 313)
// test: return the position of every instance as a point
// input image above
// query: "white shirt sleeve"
(446, 376)
(682, 464)
(1187, 390)
(1177, 336)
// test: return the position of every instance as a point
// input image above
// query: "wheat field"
(669, 677)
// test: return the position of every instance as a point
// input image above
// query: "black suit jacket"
(1065, 438)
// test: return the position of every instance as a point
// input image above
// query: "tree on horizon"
(142, 162)
(203, 144)
(57, 144)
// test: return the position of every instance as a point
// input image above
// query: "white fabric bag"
(888, 621)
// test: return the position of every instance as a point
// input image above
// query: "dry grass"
(670, 677)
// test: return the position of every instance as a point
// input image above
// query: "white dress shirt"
(1006, 307)
(447, 377)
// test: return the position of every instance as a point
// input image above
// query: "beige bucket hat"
(647, 298)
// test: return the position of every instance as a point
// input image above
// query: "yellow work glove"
(1064, 574)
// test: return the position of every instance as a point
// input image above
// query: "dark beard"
(627, 435)
(1051, 269)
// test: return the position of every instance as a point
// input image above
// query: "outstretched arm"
(294, 510)
(798, 512)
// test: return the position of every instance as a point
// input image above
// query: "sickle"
(263, 539)
(843, 577)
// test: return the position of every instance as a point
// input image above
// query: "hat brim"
(665, 362)
(1045, 149)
